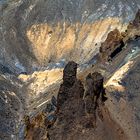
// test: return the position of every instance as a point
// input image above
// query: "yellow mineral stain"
(64, 39)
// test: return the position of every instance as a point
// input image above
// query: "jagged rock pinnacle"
(77, 112)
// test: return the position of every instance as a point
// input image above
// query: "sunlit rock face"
(123, 94)
(36, 32)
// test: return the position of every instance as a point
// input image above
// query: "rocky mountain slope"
(83, 115)
(35, 33)
(38, 38)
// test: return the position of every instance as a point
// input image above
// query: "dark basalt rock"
(70, 72)
(75, 111)
(81, 112)
(94, 95)
(69, 78)
(111, 46)
(95, 89)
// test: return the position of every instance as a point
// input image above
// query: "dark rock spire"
(77, 112)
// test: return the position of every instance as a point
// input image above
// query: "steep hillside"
(38, 38)
(37, 32)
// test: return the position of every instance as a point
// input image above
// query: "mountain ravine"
(69, 69)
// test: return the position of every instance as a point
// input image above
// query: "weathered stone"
(69, 74)
(75, 111)
(33, 33)
(111, 46)
(69, 78)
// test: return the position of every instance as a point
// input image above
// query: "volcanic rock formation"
(112, 45)
(38, 38)
(81, 116)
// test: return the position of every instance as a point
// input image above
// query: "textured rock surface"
(80, 117)
(38, 36)
(11, 107)
(133, 28)
(40, 31)
(113, 43)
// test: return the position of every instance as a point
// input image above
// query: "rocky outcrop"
(34, 33)
(116, 40)
(81, 111)
(70, 106)
(133, 29)
(111, 46)
(94, 97)
(45, 31)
